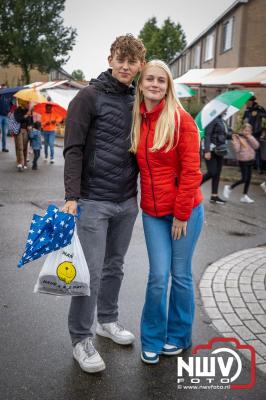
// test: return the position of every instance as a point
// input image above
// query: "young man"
(101, 177)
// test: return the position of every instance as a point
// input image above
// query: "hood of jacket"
(108, 84)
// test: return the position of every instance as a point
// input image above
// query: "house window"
(227, 34)
(209, 47)
(196, 57)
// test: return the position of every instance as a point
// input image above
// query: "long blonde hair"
(166, 124)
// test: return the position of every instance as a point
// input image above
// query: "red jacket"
(169, 180)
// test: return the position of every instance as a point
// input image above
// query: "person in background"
(245, 146)
(22, 115)
(49, 123)
(36, 143)
(166, 142)
(5, 105)
(214, 150)
(253, 115)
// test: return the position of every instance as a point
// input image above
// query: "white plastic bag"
(65, 272)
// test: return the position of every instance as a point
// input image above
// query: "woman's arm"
(190, 177)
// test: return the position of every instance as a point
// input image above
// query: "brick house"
(237, 38)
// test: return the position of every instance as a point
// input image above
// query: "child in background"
(36, 143)
(244, 145)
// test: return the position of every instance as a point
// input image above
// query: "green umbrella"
(183, 90)
(231, 102)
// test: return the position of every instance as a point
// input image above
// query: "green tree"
(149, 36)
(32, 35)
(164, 42)
(78, 75)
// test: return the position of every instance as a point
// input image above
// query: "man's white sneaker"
(246, 199)
(263, 186)
(227, 191)
(116, 332)
(88, 357)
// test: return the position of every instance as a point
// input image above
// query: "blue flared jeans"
(161, 322)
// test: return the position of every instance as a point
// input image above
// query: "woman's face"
(247, 131)
(154, 84)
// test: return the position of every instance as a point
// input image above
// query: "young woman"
(166, 142)
(245, 146)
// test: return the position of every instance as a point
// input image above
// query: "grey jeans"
(104, 230)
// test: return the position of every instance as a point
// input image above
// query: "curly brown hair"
(129, 46)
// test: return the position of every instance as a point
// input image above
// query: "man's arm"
(80, 114)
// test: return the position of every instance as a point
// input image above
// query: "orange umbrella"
(58, 112)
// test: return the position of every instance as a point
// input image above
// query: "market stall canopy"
(244, 76)
(47, 85)
(62, 96)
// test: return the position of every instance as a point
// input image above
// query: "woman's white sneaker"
(88, 357)
(246, 199)
(149, 357)
(116, 332)
(227, 191)
(263, 186)
(171, 350)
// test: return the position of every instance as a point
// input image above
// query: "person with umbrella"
(49, 120)
(5, 104)
(22, 115)
(214, 150)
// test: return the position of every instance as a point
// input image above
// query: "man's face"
(250, 103)
(124, 69)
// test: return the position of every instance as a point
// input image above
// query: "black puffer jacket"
(98, 165)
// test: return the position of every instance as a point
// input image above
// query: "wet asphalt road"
(35, 350)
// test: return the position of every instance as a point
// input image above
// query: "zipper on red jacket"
(152, 187)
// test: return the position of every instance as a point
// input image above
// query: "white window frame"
(196, 56)
(209, 47)
(227, 34)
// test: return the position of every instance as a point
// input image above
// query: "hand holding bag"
(65, 272)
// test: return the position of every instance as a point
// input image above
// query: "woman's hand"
(70, 207)
(178, 228)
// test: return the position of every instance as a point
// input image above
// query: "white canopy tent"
(62, 96)
(244, 76)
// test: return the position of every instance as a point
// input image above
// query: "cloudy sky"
(98, 23)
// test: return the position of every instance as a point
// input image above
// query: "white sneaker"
(170, 350)
(19, 167)
(263, 186)
(52, 161)
(116, 332)
(227, 191)
(246, 199)
(88, 357)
